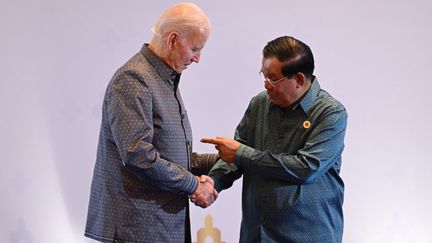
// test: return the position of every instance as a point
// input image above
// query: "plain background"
(56, 58)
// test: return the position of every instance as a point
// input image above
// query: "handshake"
(205, 194)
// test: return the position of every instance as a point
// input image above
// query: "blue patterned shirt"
(141, 178)
(290, 161)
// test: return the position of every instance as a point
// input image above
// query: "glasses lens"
(262, 76)
(265, 79)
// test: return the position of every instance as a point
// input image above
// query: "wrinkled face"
(186, 50)
(283, 93)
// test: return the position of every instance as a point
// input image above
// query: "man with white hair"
(142, 176)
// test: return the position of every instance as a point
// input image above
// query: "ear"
(300, 79)
(173, 37)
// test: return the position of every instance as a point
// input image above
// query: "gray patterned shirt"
(290, 162)
(141, 178)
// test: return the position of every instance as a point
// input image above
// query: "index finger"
(214, 141)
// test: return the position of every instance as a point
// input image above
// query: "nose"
(267, 85)
(196, 58)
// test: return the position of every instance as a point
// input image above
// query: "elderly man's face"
(187, 50)
(285, 92)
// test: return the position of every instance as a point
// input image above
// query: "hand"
(205, 193)
(227, 147)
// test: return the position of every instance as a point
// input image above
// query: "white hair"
(183, 18)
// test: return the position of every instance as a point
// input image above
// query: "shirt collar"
(309, 99)
(165, 72)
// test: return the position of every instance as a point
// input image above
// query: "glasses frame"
(271, 82)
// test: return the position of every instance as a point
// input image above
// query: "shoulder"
(137, 68)
(131, 81)
(259, 99)
(328, 111)
(135, 74)
(326, 101)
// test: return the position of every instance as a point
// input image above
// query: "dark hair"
(297, 54)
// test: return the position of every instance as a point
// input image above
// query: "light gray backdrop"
(56, 58)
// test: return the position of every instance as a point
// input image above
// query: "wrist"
(200, 180)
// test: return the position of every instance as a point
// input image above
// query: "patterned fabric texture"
(141, 177)
(290, 161)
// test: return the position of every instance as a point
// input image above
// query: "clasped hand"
(205, 193)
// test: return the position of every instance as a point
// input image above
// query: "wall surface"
(58, 56)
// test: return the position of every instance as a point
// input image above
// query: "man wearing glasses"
(288, 148)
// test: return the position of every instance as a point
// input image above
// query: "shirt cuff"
(192, 185)
(243, 156)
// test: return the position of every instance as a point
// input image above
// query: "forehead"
(271, 65)
(198, 36)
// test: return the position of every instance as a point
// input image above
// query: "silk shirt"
(290, 162)
(141, 178)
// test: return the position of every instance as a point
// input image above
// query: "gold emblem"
(209, 231)
(306, 124)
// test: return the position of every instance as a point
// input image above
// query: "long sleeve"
(201, 164)
(320, 151)
(289, 161)
(130, 113)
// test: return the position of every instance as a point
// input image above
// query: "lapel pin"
(306, 124)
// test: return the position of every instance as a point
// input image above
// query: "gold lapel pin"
(306, 124)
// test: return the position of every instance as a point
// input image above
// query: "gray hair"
(183, 18)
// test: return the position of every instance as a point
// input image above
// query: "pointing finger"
(209, 140)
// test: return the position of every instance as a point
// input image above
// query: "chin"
(179, 70)
(274, 101)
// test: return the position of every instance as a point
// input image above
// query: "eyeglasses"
(272, 83)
